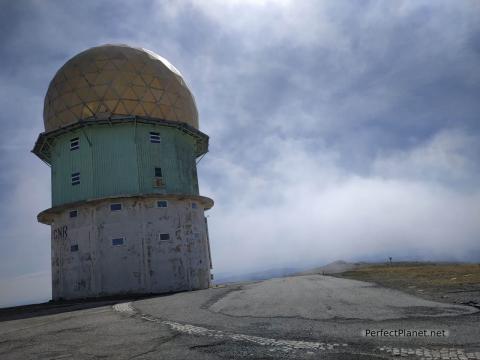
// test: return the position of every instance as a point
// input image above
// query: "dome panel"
(113, 80)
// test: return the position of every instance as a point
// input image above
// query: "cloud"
(448, 157)
(25, 289)
(299, 209)
(337, 129)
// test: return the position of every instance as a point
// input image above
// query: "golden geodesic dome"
(113, 80)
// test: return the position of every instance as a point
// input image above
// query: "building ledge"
(45, 141)
(47, 216)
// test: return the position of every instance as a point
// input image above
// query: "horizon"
(226, 278)
(337, 130)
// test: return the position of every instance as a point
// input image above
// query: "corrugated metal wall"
(119, 159)
(114, 160)
(66, 162)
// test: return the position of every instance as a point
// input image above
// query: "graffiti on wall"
(60, 233)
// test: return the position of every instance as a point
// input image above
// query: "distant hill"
(255, 276)
(335, 267)
(331, 268)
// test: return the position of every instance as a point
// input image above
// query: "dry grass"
(450, 282)
(423, 274)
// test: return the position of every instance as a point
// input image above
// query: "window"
(74, 144)
(154, 137)
(162, 203)
(75, 178)
(117, 241)
(194, 205)
(73, 213)
(74, 248)
(158, 172)
(164, 237)
(115, 207)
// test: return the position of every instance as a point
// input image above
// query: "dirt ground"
(451, 283)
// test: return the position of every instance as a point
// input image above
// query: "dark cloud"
(338, 129)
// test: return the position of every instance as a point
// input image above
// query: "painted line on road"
(278, 344)
(292, 345)
(433, 354)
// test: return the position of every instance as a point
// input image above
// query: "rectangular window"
(115, 207)
(154, 137)
(75, 178)
(74, 248)
(73, 213)
(158, 172)
(164, 237)
(117, 241)
(194, 205)
(162, 203)
(74, 144)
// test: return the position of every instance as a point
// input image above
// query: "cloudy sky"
(339, 129)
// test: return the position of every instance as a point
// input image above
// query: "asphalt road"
(305, 317)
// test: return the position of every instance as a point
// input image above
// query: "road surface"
(304, 317)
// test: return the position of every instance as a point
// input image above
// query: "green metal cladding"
(119, 159)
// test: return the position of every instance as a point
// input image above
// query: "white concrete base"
(146, 262)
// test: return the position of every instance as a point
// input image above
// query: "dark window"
(164, 236)
(117, 241)
(74, 144)
(158, 172)
(75, 178)
(115, 207)
(162, 203)
(74, 248)
(154, 137)
(194, 205)
(73, 213)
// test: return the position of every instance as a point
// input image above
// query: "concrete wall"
(143, 263)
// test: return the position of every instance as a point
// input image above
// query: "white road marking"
(433, 354)
(292, 345)
(279, 344)
(125, 308)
